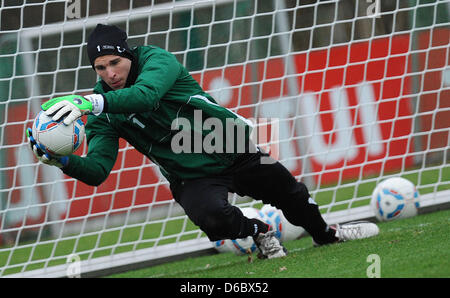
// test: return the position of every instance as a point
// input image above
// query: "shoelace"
(349, 232)
(268, 243)
(271, 244)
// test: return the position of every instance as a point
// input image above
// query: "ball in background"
(395, 198)
(285, 231)
(240, 246)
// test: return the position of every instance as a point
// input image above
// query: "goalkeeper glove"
(75, 105)
(43, 154)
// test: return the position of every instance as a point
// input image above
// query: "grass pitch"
(303, 261)
(417, 247)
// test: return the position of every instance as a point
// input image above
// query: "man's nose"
(111, 74)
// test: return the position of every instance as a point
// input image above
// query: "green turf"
(48, 252)
(95, 244)
(413, 247)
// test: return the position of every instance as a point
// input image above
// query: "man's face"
(113, 70)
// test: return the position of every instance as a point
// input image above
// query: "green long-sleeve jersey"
(158, 115)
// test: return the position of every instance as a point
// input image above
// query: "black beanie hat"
(107, 40)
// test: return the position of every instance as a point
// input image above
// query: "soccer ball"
(272, 217)
(56, 137)
(239, 246)
(395, 198)
(285, 231)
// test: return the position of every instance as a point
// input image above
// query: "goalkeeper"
(142, 93)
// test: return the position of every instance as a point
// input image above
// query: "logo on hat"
(104, 47)
(120, 49)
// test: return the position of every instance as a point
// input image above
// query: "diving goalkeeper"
(142, 96)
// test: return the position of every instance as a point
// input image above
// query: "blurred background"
(202, 37)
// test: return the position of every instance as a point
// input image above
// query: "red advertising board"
(434, 88)
(360, 92)
(18, 177)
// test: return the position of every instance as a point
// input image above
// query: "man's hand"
(42, 154)
(74, 106)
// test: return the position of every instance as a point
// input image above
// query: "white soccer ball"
(285, 230)
(395, 198)
(56, 137)
(239, 246)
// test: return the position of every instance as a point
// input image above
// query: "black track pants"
(205, 200)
